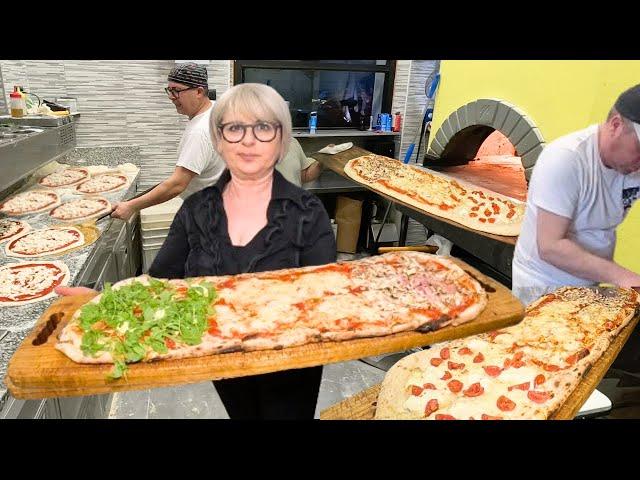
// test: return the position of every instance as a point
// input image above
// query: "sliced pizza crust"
(435, 194)
(377, 296)
(27, 279)
(522, 372)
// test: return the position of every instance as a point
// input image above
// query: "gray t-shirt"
(196, 153)
(570, 180)
(293, 163)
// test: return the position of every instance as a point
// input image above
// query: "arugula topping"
(134, 319)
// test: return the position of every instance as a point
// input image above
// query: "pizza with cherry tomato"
(437, 194)
(522, 372)
(146, 319)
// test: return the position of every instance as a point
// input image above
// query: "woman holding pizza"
(251, 220)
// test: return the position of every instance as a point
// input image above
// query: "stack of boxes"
(154, 225)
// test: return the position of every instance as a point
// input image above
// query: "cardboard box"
(348, 217)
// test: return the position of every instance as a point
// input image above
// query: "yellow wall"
(559, 96)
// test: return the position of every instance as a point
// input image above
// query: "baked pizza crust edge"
(503, 230)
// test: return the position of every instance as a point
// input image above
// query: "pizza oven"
(488, 142)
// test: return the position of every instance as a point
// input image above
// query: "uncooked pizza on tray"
(64, 178)
(28, 282)
(472, 206)
(46, 241)
(10, 228)
(81, 209)
(145, 319)
(31, 201)
(103, 183)
(522, 372)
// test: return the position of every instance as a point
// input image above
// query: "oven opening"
(488, 142)
(496, 165)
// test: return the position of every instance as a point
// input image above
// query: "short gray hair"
(254, 100)
(627, 124)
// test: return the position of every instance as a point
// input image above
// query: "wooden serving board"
(41, 371)
(362, 406)
(339, 160)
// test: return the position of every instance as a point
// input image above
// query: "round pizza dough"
(77, 205)
(7, 281)
(17, 226)
(95, 180)
(30, 202)
(45, 234)
(69, 177)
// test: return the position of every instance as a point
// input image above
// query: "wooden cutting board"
(339, 160)
(362, 406)
(41, 371)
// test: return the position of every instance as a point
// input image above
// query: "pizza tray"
(362, 406)
(338, 161)
(89, 231)
(41, 371)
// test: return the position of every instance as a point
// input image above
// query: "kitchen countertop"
(19, 321)
(347, 132)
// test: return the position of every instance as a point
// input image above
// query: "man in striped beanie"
(198, 165)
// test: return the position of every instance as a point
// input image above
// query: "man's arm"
(312, 172)
(555, 248)
(170, 188)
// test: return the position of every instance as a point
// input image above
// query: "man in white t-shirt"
(297, 167)
(582, 187)
(198, 165)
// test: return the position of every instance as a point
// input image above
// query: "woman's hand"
(71, 291)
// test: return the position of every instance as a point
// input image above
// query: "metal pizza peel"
(132, 198)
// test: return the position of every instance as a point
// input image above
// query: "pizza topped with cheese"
(522, 372)
(64, 178)
(28, 282)
(103, 183)
(469, 205)
(31, 201)
(81, 209)
(382, 295)
(47, 241)
(10, 228)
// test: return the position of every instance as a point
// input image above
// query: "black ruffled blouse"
(298, 233)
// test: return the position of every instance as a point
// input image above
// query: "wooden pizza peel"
(362, 406)
(40, 371)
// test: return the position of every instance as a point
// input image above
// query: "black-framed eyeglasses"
(234, 132)
(175, 92)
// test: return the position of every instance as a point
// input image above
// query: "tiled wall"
(410, 99)
(120, 103)
(123, 102)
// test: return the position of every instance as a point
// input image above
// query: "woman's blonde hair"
(253, 100)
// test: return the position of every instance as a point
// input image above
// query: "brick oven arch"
(460, 136)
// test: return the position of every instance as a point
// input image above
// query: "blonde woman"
(251, 220)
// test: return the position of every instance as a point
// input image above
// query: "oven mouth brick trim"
(460, 136)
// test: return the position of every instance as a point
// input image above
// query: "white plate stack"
(154, 224)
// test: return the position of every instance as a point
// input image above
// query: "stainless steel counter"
(99, 257)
